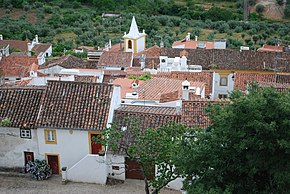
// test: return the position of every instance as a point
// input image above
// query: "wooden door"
(95, 147)
(53, 161)
(133, 170)
(28, 156)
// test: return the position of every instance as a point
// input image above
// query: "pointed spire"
(134, 32)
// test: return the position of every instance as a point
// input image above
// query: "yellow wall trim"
(45, 136)
(90, 140)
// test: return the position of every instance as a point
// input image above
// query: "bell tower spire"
(134, 41)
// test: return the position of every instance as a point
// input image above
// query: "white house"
(134, 41)
(18, 140)
(72, 114)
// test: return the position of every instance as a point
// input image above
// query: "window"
(223, 96)
(25, 133)
(50, 136)
(223, 81)
(129, 44)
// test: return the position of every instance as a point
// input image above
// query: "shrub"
(5, 122)
(39, 169)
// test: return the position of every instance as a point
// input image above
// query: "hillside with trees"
(68, 24)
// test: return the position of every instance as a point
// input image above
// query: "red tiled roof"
(150, 52)
(241, 79)
(189, 44)
(194, 113)
(149, 116)
(16, 44)
(39, 48)
(110, 75)
(116, 47)
(18, 66)
(76, 105)
(233, 59)
(270, 48)
(126, 85)
(275, 85)
(155, 88)
(205, 77)
(20, 105)
(192, 44)
(116, 59)
(67, 61)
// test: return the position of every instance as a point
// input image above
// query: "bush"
(39, 169)
(287, 12)
(280, 2)
(5, 122)
(260, 8)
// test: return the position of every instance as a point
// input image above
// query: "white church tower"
(134, 41)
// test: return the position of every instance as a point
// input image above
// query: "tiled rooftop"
(18, 66)
(205, 77)
(76, 105)
(154, 88)
(41, 48)
(20, 105)
(148, 116)
(234, 59)
(16, 44)
(67, 61)
(126, 85)
(194, 113)
(116, 59)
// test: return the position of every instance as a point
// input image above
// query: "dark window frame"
(25, 132)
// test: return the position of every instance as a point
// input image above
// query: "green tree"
(245, 150)
(149, 148)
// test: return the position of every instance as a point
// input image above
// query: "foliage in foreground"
(39, 169)
(246, 150)
(149, 148)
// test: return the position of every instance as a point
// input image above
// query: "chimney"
(1, 37)
(143, 31)
(110, 44)
(185, 90)
(121, 45)
(178, 107)
(196, 38)
(161, 44)
(36, 38)
(187, 38)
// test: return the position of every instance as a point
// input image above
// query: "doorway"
(28, 156)
(53, 161)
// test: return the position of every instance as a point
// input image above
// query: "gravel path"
(24, 185)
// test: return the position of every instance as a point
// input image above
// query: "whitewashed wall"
(51, 70)
(71, 147)
(90, 169)
(140, 44)
(116, 160)
(222, 89)
(12, 147)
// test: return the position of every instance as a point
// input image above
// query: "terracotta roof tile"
(234, 59)
(205, 77)
(154, 88)
(116, 59)
(110, 75)
(17, 44)
(126, 85)
(150, 52)
(241, 79)
(76, 105)
(20, 105)
(67, 61)
(194, 113)
(149, 116)
(39, 48)
(270, 48)
(18, 66)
